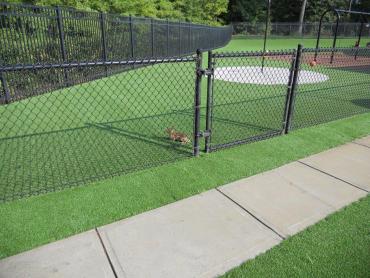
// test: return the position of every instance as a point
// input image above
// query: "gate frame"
(288, 109)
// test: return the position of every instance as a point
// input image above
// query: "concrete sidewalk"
(210, 233)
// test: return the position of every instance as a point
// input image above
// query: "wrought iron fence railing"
(47, 35)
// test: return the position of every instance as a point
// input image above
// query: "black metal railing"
(32, 35)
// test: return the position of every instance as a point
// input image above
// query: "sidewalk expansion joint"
(251, 214)
(359, 144)
(106, 253)
(330, 175)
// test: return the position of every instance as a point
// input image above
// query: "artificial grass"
(116, 125)
(337, 246)
(37, 220)
(256, 44)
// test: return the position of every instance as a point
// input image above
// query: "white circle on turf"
(269, 75)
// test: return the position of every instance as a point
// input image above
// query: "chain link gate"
(245, 101)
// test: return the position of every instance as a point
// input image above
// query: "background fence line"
(37, 34)
(309, 30)
(52, 35)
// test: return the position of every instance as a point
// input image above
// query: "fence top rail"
(253, 53)
(336, 49)
(83, 13)
(97, 63)
(293, 23)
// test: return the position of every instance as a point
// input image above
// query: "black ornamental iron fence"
(50, 35)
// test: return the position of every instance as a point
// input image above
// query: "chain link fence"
(294, 89)
(292, 29)
(114, 125)
(345, 90)
(153, 113)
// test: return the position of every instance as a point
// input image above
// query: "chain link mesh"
(345, 91)
(248, 99)
(114, 125)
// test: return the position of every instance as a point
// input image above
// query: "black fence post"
(168, 37)
(152, 35)
(5, 87)
(293, 80)
(197, 100)
(209, 103)
(103, 40)
(61, 40)
(179, 38)
(131, 37)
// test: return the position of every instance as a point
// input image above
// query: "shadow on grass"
(58, 159)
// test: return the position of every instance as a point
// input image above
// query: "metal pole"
(179, 38)
(131, 37)
(103, 38)
(319, 34)
(292, 90)
(5, 88)
(168, 37)
(359, 38)
(152, 33)
(61, 40)
(335, 39)
(209, 103)
(197, 98)
(266, 31)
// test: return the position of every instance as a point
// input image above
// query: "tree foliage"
(213, 11)
(287, 10)
(201, 11)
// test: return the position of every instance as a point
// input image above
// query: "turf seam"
(359, 144)
(106, 253)
(251, 214)
(330, 175)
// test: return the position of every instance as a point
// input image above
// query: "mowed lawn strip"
(337, 246)
(37, 220)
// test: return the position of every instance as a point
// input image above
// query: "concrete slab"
(292, 197)
(202, 236)
(78, 256)
(365, 141)
(349, 162)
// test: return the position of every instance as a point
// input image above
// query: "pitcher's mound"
(269, 75)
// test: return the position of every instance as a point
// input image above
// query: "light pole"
(266, 31)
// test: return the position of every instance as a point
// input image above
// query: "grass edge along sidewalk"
(337, 246)
(38, 220)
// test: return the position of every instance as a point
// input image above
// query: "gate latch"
(205, 133)
(206, 72)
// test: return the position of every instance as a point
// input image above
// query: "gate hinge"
(205, 133)
(206, 72)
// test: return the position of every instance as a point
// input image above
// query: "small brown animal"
(313, 63)
(177, 136)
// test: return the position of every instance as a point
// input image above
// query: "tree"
(201, 11)
(246, 11)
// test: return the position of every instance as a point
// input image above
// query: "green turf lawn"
(335, 247)
(37, 220)
(253, 44)
(95, 130)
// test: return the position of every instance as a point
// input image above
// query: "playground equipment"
(338, 13)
